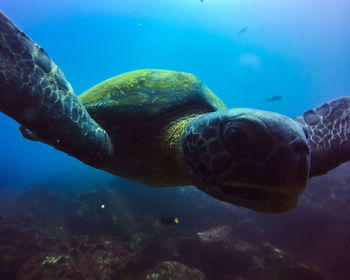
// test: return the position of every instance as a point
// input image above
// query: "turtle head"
(250, 158)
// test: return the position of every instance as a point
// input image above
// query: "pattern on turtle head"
(203, 149)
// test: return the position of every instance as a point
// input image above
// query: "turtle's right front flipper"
(34, 92)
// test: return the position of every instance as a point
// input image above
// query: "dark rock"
(217, 252)
(221, 255)
(279, 264)
(172, 270)
(80, 258)
(98, 212)
(19, 239)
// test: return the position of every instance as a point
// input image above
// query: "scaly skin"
(328, 132)
(248, 157)
(34, 92)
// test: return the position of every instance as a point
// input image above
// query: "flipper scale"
(34, 92)
(328, 132)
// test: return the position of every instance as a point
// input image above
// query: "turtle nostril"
(299, 146)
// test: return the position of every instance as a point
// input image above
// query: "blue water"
(297, 49)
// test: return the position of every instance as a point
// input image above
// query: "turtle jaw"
(259, 199)
(263, 187)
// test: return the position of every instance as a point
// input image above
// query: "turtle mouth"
(248, 193)
(258, 199)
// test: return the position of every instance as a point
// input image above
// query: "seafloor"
(54, 232)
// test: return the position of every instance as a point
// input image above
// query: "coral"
(41, 217)
(79, 258)
(220, 254)
(65, 235)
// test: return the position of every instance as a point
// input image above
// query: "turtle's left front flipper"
(328, 132)
(34, 92)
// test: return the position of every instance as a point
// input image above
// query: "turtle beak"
(278, 182)
(259, 199)
(286, 169)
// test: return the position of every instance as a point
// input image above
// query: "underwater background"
(52, 225)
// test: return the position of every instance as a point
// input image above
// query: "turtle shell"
(136, 108)
(150, 92)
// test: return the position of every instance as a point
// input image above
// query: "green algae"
(128, 83)
(55, 259)
(152, 89)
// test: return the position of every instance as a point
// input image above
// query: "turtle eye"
(237, 138)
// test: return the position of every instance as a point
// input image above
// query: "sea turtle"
(166, 128)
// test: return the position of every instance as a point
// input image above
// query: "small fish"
(274, 98)
(169, 220)
(202, 1)
(244, 29)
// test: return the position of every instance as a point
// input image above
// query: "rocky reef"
(115, 233)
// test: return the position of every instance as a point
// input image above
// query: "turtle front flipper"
(34, 92)
(328, 132)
